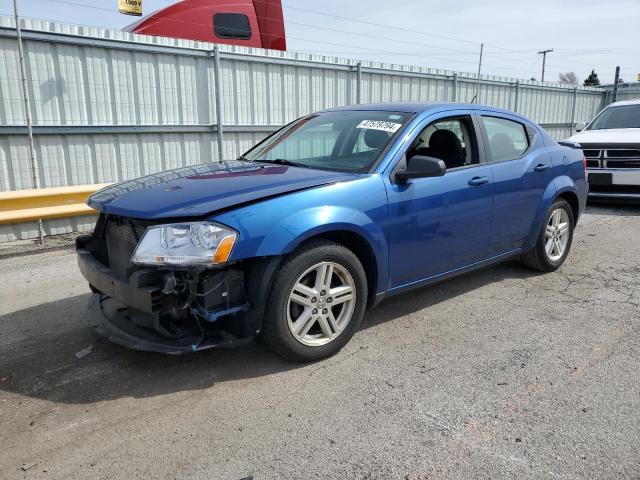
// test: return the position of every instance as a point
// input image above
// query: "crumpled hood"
(608, 136)
(204, 189)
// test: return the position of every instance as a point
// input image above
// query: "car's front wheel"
(554, 241)
(316, 303)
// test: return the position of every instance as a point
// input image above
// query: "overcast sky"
(584, 34)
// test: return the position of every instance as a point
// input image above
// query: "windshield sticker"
(391, 127)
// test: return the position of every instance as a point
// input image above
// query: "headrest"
(376, 139)
(502, 146)
(445, 140)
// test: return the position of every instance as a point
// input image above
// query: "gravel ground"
(502, 373)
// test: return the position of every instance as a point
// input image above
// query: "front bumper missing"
(112, 320)
(136, 313)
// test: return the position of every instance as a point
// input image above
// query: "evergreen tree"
(592, 80)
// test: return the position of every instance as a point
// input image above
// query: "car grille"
(122, 236)
(612, 157)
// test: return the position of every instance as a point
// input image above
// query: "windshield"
(347, 141)
(625, 116)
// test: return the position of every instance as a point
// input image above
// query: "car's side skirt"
(446, 275)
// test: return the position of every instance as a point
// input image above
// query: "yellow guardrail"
(45, 203)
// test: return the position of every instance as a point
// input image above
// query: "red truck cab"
(249, 23)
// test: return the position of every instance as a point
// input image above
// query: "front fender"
(276, 226)
(293, 230)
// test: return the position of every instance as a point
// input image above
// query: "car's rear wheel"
(554, 241)
(316, 303)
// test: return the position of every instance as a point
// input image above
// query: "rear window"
(231, 25)
(507, 139)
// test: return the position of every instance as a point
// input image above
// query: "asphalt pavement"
(502, 373)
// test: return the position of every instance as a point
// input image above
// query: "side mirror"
(421, 167)
(580, 126)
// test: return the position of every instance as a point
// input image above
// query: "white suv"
(611, 145)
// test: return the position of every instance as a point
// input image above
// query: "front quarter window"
(348, 141)
(623, 116)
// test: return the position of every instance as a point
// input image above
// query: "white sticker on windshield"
(380, 125)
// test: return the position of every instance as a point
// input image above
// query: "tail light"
(584, 166)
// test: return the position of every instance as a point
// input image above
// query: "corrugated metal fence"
(108, 105)
(626, 91)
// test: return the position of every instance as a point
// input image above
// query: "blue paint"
(419, 232)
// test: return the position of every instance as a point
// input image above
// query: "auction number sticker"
(391, 127)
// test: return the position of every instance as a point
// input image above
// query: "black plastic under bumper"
(112, 320)
(133, 292)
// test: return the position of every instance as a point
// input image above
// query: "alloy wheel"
(557, 234)
(321, 304)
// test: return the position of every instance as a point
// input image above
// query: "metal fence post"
(454, 91)
(218, 94)
(573, 110)
(516, 99)
(35, 171)
(359, 83)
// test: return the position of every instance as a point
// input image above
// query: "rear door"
(439, 224)
(522, 169)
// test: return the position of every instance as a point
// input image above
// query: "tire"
(306, 331)
(539, 258)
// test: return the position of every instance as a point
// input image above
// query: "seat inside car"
(502, 147)
(445, 145)
(376, 139)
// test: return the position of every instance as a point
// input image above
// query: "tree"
(592, 80)
(569, 78)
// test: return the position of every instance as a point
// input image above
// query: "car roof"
(421, 107)
(635, 101)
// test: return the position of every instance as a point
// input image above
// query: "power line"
(437, 56)
(431, 55)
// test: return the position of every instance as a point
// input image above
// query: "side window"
(450, 139)
(507, 139)
(231, 25)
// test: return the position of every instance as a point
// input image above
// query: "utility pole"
(479, 69)
(27, 107)
(544, 60)
(615, 83)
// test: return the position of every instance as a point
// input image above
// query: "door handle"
(478, 181)
(541, 167)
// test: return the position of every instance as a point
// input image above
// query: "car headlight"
(185, 244)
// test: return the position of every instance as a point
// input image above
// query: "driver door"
(440, 224)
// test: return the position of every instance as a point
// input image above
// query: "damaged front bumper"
(112, 320)
(170, 311)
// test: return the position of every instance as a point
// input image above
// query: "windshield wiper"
(282, 161)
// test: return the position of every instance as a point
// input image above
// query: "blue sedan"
(326, 217)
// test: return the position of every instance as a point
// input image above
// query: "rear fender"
(560, 185)
(548, 197)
